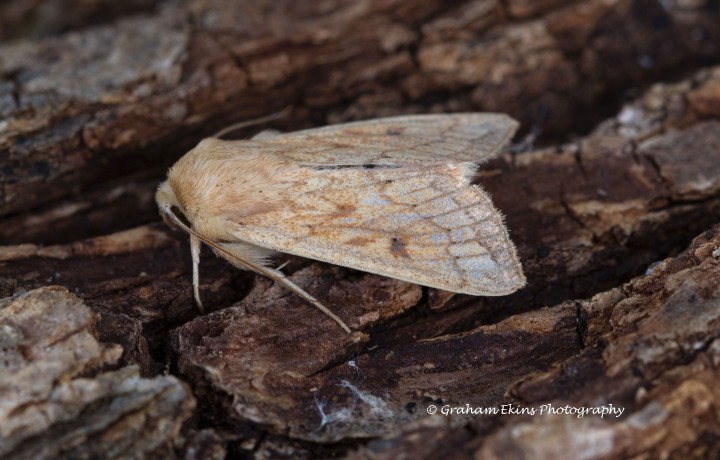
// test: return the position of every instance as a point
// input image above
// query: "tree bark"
(618, 308)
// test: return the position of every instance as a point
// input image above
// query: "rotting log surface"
(85, 135)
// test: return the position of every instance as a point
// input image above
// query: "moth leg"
(195, 252)
(248, 257)
(283, 265)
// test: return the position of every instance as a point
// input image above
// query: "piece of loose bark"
(57, 402)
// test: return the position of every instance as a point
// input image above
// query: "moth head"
(168, 203)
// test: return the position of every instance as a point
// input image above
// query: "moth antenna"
(281, 279)
(269, 272)
(195, 252)
(256, 121)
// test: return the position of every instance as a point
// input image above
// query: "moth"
(391, 196)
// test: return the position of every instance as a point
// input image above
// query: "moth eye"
(168, 221)
(180, 215)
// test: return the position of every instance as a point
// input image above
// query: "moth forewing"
(389, 196)
(422, 223)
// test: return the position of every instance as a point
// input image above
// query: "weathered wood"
(85, 134)
(57, 399)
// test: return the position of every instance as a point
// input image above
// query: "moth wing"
(422, 223)
(415, 138)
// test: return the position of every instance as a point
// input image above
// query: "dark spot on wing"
(397, 247)
(395, 131)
